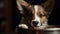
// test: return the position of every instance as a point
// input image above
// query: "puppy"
(34, 15)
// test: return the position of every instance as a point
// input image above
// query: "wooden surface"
(34, 30)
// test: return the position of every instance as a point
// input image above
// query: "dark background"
(54, 18)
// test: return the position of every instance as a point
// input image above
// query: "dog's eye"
(29, 14)
(41, 15)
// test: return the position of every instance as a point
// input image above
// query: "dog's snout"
(35, 23)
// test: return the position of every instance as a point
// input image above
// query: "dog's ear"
(48, 6)
(21, 3)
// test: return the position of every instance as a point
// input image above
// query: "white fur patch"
(36, 8)
(36, 16)
(23, 26)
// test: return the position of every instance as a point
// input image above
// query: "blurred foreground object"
(48, 30)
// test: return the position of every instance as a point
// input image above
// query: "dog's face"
(39, 16)
(36, 15)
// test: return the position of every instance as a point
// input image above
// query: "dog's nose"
(35, 23)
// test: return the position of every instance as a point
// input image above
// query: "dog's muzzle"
(35, 23)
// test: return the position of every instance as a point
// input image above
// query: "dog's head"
(36, 15)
